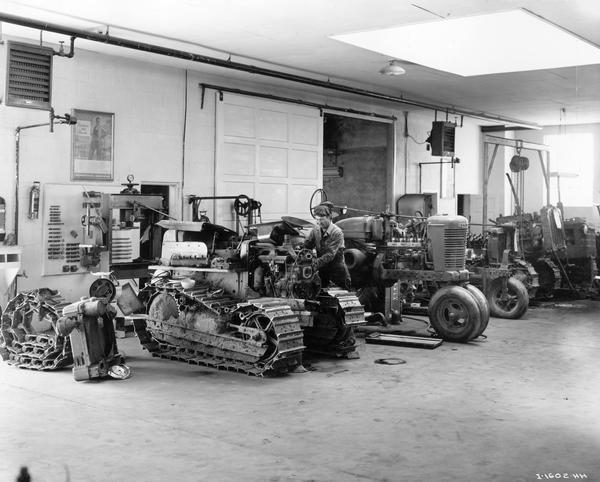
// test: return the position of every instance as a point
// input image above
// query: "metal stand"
(518, 145)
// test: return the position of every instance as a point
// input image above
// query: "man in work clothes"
(328, 240)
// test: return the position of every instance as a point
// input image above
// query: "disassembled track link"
(332, 332)
(28, 336)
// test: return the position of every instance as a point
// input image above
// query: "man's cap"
(323, 209)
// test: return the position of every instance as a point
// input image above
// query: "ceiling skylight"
(511, 41)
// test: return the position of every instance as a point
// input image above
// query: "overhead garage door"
(270, 151)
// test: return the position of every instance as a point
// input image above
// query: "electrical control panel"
(63, 231)
(88, 228)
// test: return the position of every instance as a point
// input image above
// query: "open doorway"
(151, 243)
(358, 162)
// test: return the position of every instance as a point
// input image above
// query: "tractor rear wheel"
(512, 304)
(484, 307)
(454, 314)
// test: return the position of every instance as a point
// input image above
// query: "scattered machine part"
(390, 361)
(89, 325)
(104, 287)
(120, 372)
(400, 340)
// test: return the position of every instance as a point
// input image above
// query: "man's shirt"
(329, 244)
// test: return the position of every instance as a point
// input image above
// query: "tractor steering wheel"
(318, 197)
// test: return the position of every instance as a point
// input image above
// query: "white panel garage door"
(270, 151)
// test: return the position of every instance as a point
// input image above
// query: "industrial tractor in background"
(243, 303)
(538, 256)
(561, 252)
(394, 264)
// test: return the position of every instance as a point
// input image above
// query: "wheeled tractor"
(397, 260)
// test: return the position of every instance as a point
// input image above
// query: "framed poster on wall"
(92, 146)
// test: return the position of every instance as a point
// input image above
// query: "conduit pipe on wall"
(221, 89)
(228, 64)
(66, 119)
(406, 152)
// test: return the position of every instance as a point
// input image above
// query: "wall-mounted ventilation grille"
(442, 139)
(29, 76)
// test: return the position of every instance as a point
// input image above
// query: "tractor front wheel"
(511, 304)
(454, 314)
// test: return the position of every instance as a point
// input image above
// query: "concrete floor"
(521, 405)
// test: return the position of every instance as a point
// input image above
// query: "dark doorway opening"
(460, 205)
(358, 162)
(151, 235)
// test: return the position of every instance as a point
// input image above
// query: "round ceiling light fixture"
(393, 67)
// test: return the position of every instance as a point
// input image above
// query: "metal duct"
(29, 77)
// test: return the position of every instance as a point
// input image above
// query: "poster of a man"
(92, 146)
(97, 140)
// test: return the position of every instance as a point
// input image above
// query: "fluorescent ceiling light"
(511, 41)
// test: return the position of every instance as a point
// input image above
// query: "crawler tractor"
(243, 304)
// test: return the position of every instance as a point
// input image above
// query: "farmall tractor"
(495, 268)
(395, 260)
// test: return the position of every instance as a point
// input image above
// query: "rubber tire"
(484, 307)
(457, 297)
(515, 288)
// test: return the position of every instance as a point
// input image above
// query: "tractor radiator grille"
(29, 76)
(455, 243)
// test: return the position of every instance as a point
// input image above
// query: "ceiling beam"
(504, 128)
(228, 64)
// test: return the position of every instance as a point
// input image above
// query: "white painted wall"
(149, 103)
(467, 171)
